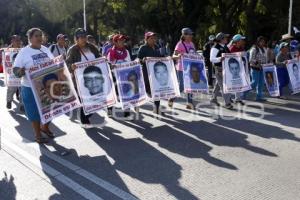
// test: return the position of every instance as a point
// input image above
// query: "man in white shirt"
(60, 47)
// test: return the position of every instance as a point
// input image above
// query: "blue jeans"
(257, 82)
(181, 87)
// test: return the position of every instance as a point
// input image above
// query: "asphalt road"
(250, 153)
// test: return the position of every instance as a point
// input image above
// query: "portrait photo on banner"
(130, 84)
(235, 77)
(194, 74)
(162, 77)
(53, 90)
(271, 79)
(294, 75)
(8, 57)
(95, 85)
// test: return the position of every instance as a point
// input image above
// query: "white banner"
(95, 85)
(234, 73)
(8, 57)
(53, 89)
(271, 79)
(162, 77)
(194, 74)
(294, 74)
(130, 84)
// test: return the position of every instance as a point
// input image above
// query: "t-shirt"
(184, 47)
(87, 55)
(57, 51)
(28, 57)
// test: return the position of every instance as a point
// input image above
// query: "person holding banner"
(149, 49)
(258, 57)
(185, 45)
(79, 52)
(281, 62)
(60, 47)
(118, 54)
(238, 45)
(216, 58)
(33, 54)
(11, 90)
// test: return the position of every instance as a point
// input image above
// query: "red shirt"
(234, 48)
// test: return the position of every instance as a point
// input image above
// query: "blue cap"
(238, 37)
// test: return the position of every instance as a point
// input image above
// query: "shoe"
(109, 112)
(228, 106)
(240, 102)
(170, 103)
(22, 109)
(214, 101)
(126, 114)
(282, 97)
(190, 106)
(8, 105)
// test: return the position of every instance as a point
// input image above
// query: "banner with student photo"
(246, 66)
(8, 57)
(53, 89)
(162, 77)
(294, 74)
(234, 74)
(194, 74)
(271, 79)
(95, 85)
(130, 84)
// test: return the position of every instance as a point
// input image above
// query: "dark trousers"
(210, 72)
(84, 119)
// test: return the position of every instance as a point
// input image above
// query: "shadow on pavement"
(8, 190)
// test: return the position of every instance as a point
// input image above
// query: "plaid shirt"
(258, 58)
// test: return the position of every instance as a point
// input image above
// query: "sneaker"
(240, 102)
(22, 109)
(126, 114)
(170, 103)
(8, 105)
(228, 106)
(190, 106)
(214, 101)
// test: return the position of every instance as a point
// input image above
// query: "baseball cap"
(186, 31)
(220, 36)
(283, 44)
(60, 36)
(238, 37)
(211, 37)
(80, 33)
(118, 37)
(149, 34)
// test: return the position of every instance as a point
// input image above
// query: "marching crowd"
(115, 50)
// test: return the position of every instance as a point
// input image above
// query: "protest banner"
(271, 79)
(130, 84)
(162, 77)
(194, 74)
(95, 85)
(8, 57)
(294, 75)
(234, 73)
(52, 88)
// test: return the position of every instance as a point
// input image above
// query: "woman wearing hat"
(79, 52)
(118, 54)
(185, 45)
(32, 54)
(281, 62)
